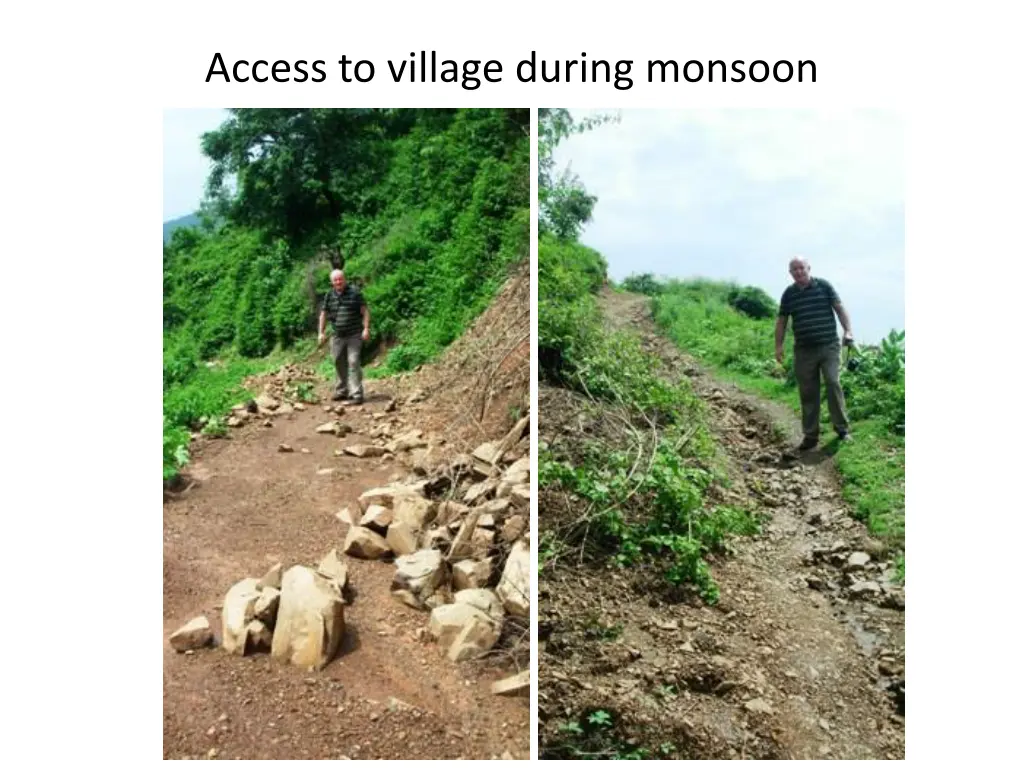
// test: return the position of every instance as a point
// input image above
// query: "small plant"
(176, 441)
(215, 427)
(600, 718)
(303, 391)
(597, 630)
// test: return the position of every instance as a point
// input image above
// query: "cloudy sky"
(735, 194)
(185, 167)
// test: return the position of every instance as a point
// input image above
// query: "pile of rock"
(460, 540)
(861, 576)
(298, 615)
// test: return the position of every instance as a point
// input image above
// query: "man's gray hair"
(337, 273)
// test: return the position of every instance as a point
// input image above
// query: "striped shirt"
(814, 321)
(344, 310)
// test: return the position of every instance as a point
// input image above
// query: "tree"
(564, 203)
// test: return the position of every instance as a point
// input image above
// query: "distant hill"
(192, 220)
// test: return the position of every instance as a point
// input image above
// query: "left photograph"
(346, 434)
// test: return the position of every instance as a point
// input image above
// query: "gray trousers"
(346, 350)
(810, 364)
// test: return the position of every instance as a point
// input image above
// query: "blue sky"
(734, 194)
(185, 167)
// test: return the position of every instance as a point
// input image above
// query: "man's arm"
(844, 319)
(366, 322)
(323, 323)
(780, 336)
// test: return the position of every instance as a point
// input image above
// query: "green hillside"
(428, 209)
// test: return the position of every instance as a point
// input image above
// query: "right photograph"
(721, 453)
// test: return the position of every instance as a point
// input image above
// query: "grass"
(202, 401)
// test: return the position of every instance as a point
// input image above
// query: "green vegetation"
(427, 209)
(594, 736)
(642, 481)
(718, 323)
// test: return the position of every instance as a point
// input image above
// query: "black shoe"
(808, 444)
(844, 437)
(339, 396)
(355, 401)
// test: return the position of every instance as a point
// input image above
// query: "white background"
(85, 86)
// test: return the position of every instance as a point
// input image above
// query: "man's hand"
(366, 334)
(848, 338)
(320, 340)
(780, 353)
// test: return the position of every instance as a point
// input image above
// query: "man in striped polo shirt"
(350, 317)
(811, 303)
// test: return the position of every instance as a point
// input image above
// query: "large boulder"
(364, 543)
(419, 575)
(377, 518)
(514, 586)
(383, 496)
(414, 510)
(463, 630)
(333, 568)
(483, 600)
(239, 609)
(310, 620)
(402, 539)
(472, 574)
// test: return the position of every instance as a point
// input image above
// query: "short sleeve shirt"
(344, 310)
(814, 320)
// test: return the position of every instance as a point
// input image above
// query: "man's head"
(338, 280)
(800, 271)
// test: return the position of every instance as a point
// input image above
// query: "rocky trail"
(400, 527)
(802, 657)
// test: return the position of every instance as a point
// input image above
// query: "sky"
(185, 167)
(735, 194)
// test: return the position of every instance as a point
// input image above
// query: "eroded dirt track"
(802, 657)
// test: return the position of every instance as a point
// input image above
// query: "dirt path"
(388, 694)
(803, 655)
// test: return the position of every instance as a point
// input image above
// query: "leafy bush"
(646, 284)
(752, 302)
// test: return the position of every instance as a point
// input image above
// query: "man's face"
(338, 281)
(800, 273)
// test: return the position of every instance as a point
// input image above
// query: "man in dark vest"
(350, 317)
(814, 304)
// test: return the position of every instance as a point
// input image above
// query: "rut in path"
(388, 694)
(792, 662)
